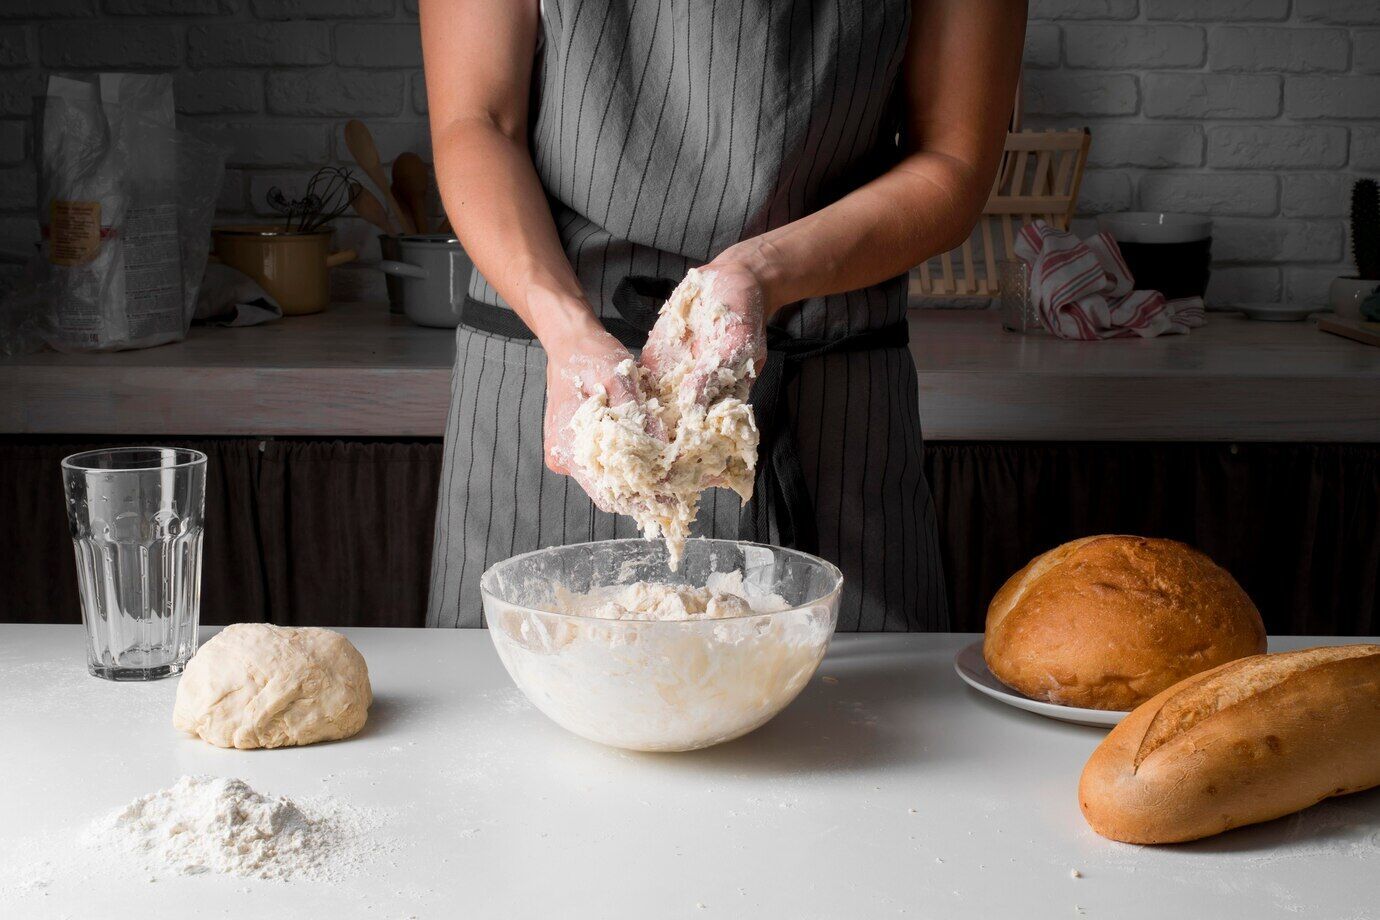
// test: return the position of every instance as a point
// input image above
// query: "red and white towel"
(1083, 290)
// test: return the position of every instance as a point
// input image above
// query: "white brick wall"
(273, 81)
(1259, 112)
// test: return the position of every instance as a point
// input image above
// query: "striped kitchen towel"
(1083, 289)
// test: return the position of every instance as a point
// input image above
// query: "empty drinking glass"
(136, 518)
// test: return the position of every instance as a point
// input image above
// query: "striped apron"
(665, 131)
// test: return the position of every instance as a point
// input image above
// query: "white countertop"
(496, 812)
(354, 370)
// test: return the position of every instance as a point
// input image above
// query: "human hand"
(725, 331)
(579, 366)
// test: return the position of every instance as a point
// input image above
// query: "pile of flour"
(710, 437)
(213, 824)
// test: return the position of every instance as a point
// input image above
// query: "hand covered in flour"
(576, 369)
(579, 366)
(725, 330)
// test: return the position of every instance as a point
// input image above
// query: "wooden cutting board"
(1361, 331)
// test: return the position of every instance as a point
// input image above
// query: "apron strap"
(638, 299)
(487, 318)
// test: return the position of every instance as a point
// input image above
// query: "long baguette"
(1247, 741)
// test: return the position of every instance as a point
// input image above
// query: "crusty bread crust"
(1248, 741)
(1107, 622)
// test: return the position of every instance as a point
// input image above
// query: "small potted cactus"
(1347, 293)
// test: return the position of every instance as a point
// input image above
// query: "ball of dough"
(254, 685)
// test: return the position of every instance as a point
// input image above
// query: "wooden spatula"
(361, 144)
(410, 184)
(371, 209)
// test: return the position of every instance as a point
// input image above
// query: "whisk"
(328, 195)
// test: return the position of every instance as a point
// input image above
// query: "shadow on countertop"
(1341, 824)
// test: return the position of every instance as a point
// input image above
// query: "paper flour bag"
(125, 207)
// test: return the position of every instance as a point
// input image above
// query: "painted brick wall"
(273, 81)
(1259, 112)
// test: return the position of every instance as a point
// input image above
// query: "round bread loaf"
(1107, 622)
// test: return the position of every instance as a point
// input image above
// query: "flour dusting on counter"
(215, 824)
(199, 829)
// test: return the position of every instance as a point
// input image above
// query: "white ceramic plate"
(1276, 312)
(970, 666)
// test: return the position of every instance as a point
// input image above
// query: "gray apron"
(665, 131)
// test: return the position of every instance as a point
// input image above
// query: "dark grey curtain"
(298, 532)
(316, 532)
(1298, 525)
(37, 570)
(347, 531)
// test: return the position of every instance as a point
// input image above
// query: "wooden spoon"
(367, 206)
(361, 145)
(410, 184)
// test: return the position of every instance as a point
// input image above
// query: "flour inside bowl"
(662, 667)
(611, 643)
(724, 596)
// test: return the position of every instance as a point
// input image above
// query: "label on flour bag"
(153, 270)
(74, 232)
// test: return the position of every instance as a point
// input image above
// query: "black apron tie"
(638, 301)
(779, 489)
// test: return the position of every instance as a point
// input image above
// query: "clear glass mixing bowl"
(653, 685)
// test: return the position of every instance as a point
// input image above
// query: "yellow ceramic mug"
(289, 264)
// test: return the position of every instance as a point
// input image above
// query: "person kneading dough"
(254, 685)
(805, 191)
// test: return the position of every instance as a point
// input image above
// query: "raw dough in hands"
(710, 436)
(573, 378)
(254, 685)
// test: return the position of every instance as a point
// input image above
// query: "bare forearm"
(478, 57)
(959, 77)
(925, 205)
(500, 213)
